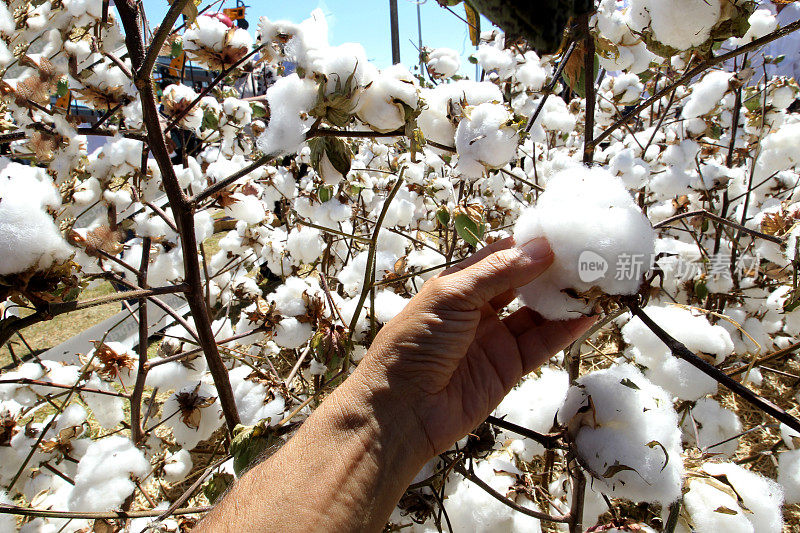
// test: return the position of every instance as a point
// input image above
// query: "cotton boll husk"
(103, 479)
(762, 496)
(289, 97)
(707, 94)
(629, 413)
(484, 139)
(533, 404)
(177, 465)
(584, 213)
(291, 333)
(714, 425)
(209, 420)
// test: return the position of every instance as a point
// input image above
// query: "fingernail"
(537, 249)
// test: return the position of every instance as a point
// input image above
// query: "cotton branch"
(182, 208)
(679, 350)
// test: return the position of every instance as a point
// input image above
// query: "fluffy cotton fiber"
(485, 139)
(599, 237)
(665, 370)
(626, 433)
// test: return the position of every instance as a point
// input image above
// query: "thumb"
(496, 274)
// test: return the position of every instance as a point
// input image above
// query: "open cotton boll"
(107, 410)
(598, 235)
(695, 331)
(762, 498)
(253, 400)
(305, 244)
(495, 61)
(436, 120)
(707, 94)
(388, 304)
(103, 479)
(29, 238)
(291, 333)
(177, 465)
(533, 404)
(778, 151)
(762, 22)
(485, 138)
(288, 98)
(680, 24)
(790, 437)
(443, 63)
(382, 105)
(470, 509)
(246, 208)
(193, 413)
(614, 416)
(290, 297)
(715, 424)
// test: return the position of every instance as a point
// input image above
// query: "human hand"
(444, 363)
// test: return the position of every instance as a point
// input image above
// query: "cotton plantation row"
(321, 208)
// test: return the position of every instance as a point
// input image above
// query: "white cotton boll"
(29, 238)
(73, 415)
(633, 171)
(762, 22)
(103, 479)
(381, 106)
(493, 60)
(443, 63)
(714, 425)
(789, 475)
(338, 63)
(703, 503)
(288, 297)
(533, 404)
(531, 73)
(435, 120)
(177, 465)
(107, 410)
(204, 420)
(305, 244)
(673, 374)
(485, 139)
(388, 305)
(470, 509)
(167, 376)
(7, 26)
(246, 208)
(680, 24)
(589, 218)
(626, 414)
(707, 94)
(87, 192)
(778, 151)
(289, 98)
(203, 225)
(762, 497)
(253, 399)
(291, 333)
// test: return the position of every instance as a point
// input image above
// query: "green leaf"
(339, 154)
(177, 48)
(63, 87)
(248, 443)
(443, 216)
(258, 109)
(324, 194)
(217, 485)
(210, 120)
(700, 289)
(468, 227)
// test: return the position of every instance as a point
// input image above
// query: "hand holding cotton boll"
(602, 243)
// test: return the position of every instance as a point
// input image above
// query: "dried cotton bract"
(600, 239)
